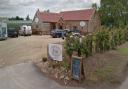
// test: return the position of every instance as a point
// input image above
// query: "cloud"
(25, 7)
(21, 2)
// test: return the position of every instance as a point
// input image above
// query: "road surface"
(26, 76)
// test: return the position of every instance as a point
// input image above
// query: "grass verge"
(123, 51)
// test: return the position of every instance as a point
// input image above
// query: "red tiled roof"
(48, 17)
(66, 15)
(78, 14)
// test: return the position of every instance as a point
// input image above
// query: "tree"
(16, 18)
(94, 5)
(27, 18)
(114, 13)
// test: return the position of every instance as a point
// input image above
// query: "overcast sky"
(22, 8)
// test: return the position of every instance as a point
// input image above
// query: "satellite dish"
(36, 20)
(82, 23)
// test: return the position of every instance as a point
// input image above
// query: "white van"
(25, 30)
(3, 31)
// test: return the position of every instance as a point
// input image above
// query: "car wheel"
(63, 38)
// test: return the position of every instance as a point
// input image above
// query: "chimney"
(47, 11)
(38, 10)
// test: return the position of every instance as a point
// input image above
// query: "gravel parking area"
(24, 49)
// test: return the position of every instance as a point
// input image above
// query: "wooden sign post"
(76, 67)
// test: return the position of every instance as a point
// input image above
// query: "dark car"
(12, 32)
(58, 33)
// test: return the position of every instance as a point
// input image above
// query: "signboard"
(82, 23)
(55, 52)
(76, 68)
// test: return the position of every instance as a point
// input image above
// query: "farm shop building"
(44, 22)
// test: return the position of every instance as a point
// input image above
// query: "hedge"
(97, 42)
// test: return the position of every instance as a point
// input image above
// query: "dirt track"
(24, 49)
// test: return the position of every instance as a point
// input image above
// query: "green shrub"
(97, 42)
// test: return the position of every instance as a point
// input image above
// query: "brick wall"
(71, 24)
(91, 26)
(94, 23)
(41, 28)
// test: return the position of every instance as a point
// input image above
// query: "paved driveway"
(26, 76)
(24, 49)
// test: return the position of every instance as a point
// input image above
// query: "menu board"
(76, 67)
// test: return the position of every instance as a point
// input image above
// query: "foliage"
(97, 42)
(94, 5)
(27, 18)
(114, 13)
(103, 40)
(86, 47)
(65, 65)
(69, 45)
(16, 18)
(123, 51)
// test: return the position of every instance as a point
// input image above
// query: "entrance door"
(60, 27)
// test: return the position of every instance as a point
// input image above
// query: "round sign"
(36, 20)
(82, 23)
(56, 51)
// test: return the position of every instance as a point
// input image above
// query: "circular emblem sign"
(36, 20)
(55, 52)
(82, 23)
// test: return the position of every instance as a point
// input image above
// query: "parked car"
(3, 31)
(58, 33)
(67, 30)
(12, 32)
(25, 30)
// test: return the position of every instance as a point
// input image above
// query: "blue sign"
(76, 68)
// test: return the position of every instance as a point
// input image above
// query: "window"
(75, 28)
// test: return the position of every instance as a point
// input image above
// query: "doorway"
(61, 27)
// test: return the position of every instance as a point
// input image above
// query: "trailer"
(3, 31)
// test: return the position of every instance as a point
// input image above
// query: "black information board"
(76, 67)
